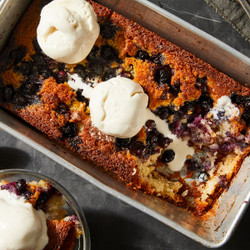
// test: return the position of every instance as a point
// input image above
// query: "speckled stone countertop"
(114, 224)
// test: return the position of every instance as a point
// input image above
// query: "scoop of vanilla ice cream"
(118, 107)
(67, 30)
(21, 226)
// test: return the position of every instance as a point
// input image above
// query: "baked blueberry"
(108, 29)
(157, 59)
(108, 75)
(45, 73)
(8, 93)
(192, 165)
(80, 97)
(120, 142)
(69, 130)
(20, 101)
(81, 71)
(108, 53)
(96, 69)
(62, 108)
(206, 103)
(163, 75)
(143, 55)
(92, 56)
(62, 76)
(168, 156)
(17, 54)
(201, 84)
(25, 68)
(163, 112)
(137, 148)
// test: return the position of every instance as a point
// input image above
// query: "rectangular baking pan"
(232, 203)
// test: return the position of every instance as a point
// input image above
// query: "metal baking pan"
(232, 203)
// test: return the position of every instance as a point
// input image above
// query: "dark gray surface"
(201, 15)
(114, 224)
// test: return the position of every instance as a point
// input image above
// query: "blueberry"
(42, 200)
(8, 93)
(152, 136)
(24, 68)
(157, 59)
(201, 84)
(11, 187)
(247, 106)
(1, 83)
(137, 148)
(92, 56)
(1, 94)
(246, 117)
(81, 71)
(20, 101)
(39, 60)
(148, 150)
(34, 77)
(121, 142)
(17, 54)
(126, 74)
(75, 142)
(69, 130)
(241, 100)
(150, 124)
(96, 69)
(188, 106)
(108, 53)
(36, 46)
(21, 186)
(143, 55)
(163, 142)
(80, 97)
(206, 103)
(177, 116)
(168, 156)
(175, 89)
(236, 99)
(172, 127)
(108, 75)
(62, 76)
(163, 75)
(220, 113)
(45, 73)
(36, 58)
(163, 112)
(108, 29)
(192, 165)
(62, 108)
(1, 89)
(28, 88)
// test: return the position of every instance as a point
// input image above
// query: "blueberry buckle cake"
(154, 115)
(32, 217)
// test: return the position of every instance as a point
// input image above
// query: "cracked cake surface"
(199, 104)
